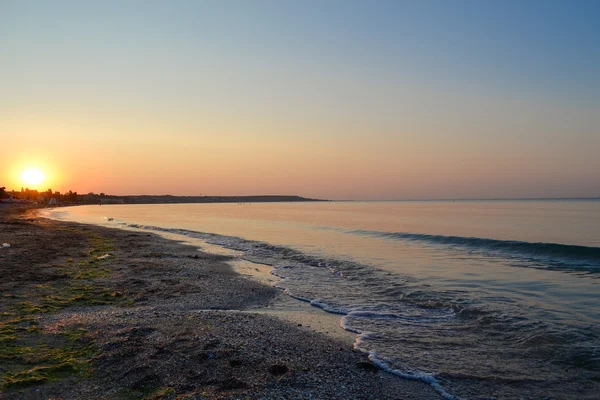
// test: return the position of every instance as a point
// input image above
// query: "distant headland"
(169, 199)
(73, 198)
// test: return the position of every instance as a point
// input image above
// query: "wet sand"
(157, 318)
(282, 306)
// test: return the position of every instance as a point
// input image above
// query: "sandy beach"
(97, 313)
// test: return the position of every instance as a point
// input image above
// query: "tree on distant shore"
(29, 194)
(71, 196)
(2, 192)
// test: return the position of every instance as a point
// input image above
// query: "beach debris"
(108, 218)
(147, 382)
(367, 366)
(5, 245)
(236, 362)
(212, 344)
(233, 383)
(103, 256)
(278, 369)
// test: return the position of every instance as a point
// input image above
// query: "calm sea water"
(481, 299)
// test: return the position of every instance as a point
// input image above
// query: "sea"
(481, 299)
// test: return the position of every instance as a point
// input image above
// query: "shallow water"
(488, 298)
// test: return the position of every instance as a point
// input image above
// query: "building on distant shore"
(12, 199)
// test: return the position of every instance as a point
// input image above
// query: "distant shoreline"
(94, 199)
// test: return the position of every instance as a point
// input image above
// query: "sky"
(329, 99)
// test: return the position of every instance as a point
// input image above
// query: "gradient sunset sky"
(328, 99)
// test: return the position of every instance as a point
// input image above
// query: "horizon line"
(345, 200)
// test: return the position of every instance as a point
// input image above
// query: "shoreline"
(152, 320)
(282, 306)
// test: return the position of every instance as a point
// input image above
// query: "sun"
(33, 176)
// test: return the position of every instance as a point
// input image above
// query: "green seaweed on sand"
(30, 355)
(48, 357)
(90, 267)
